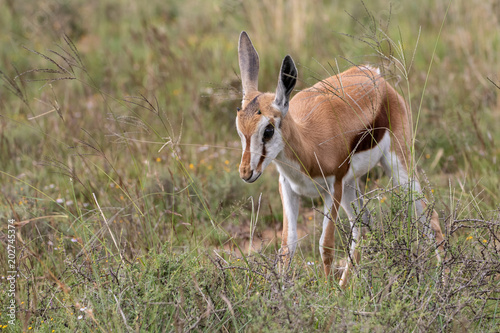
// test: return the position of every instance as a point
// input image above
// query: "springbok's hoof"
(284, 261)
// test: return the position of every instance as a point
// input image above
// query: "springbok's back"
(347, 114)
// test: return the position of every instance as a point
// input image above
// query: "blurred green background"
(134, 103)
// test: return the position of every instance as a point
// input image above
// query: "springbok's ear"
(249, 64)
(286, 83)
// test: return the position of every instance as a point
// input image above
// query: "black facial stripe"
(262, 158)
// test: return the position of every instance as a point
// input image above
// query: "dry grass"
(132, 106)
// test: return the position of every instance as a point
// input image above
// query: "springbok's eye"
(268, 133)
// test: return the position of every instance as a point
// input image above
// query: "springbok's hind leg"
(394, 168)
(439, 239)
(438, 233)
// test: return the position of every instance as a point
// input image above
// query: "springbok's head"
(259, 120)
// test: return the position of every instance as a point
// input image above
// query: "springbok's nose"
(246, 173)
(249, 176)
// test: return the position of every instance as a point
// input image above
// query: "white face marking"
(261, 153)
(273, 147)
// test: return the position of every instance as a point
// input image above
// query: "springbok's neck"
(293, 138)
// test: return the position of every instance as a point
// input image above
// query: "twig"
(109, 229)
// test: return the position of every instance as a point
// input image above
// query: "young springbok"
(322, 141)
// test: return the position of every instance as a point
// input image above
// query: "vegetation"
(119, 159)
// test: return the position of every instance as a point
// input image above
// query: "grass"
(119, 158)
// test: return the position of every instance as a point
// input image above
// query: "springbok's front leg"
(290, 201)
(327, 241)
(352, 202)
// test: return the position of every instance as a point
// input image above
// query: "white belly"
(364, 161)
(360, 164)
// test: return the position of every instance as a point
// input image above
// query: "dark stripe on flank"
(373, 134)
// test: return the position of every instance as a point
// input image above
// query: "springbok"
(322, 141)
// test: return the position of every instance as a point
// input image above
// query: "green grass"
(119, 163)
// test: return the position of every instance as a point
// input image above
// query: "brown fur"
(329, 241)
(327, 123)
(285, 254)
(340, 114)
(346, 113)
(245, 170)
(284, 235)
